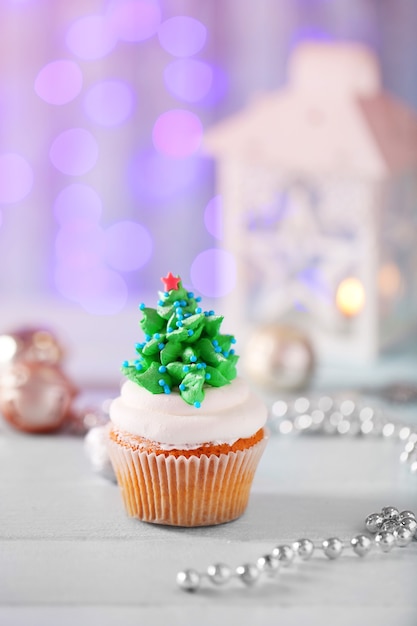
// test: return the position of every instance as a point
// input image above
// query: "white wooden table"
(69, 554)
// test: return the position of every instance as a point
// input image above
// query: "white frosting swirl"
(227, 414)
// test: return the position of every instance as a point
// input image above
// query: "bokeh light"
(74, 151)
(213, 217)
(91, 37)
(188, 79)
(218, 88)
(98, 290)
(127, 246)
(182, 36)
(153, 176)
(136, 20)
(78, 202)
(109, 102)
(177, 133)
(213, 273)
(59, 82)
(102, 292)
(16, 178)
(390, 281)
(79, 244)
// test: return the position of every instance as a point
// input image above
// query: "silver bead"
(248, 573)
(268, 564)
(373, 522)
(219, 573)
(96, 449)
(332, 547)
(188, 580)
(390, 512)
(390, 525)
(361, 545)
(407, 515)
(403, 536)
(385, 540)
(284, 554)
(304, 548)
(409, 523)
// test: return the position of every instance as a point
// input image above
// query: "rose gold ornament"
(278, 358)
(35, 397)
(31, 344)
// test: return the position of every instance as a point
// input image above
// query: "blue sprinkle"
(169, 329)
(198, 299)
(166, 294)
(199, 366)
(182, 387)
(233, 340)
(185, 368)
(161, 346)
(178, 311)
(179, 323)
(190, 332)
(190, 294)
(225, 353)
(207, 376)
(183, 303)
(160, 303)
(148, 337)
(177, 303)
(157, 336)
(139, 366)
(162, 369)
(161, 382)
(203, 365)
(231, 351)
(197, 404)
(217, 349)
(187, 314)
(206, 313)
(212, 313)
(125, 364)
(215, 342)
(193, 358)
(198, 309)
(142, 306)
(167, 389)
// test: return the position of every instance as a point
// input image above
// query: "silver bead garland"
(384, 530)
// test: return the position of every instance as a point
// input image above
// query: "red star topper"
(171, 282)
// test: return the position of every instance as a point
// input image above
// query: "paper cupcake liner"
(179, 491)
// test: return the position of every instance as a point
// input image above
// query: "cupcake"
(186, 432)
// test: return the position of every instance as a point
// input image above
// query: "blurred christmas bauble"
(35, 397)
(278, 357)
(96, 449)
(30, 344)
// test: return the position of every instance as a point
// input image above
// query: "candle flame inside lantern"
(350, 296)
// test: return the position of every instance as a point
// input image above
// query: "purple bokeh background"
(104, 185)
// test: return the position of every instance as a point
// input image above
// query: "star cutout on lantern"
(171, 282)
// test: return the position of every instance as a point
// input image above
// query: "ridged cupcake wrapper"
(180, 491)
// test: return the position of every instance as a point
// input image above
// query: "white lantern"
(319, 187)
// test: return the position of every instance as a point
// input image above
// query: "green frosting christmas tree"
(183, 350)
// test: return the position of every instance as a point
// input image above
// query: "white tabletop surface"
(70, 555)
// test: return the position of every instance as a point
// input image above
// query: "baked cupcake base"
(200, 487)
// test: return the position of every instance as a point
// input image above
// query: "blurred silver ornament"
(278, 357)
(96, 449)
(35, 397)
